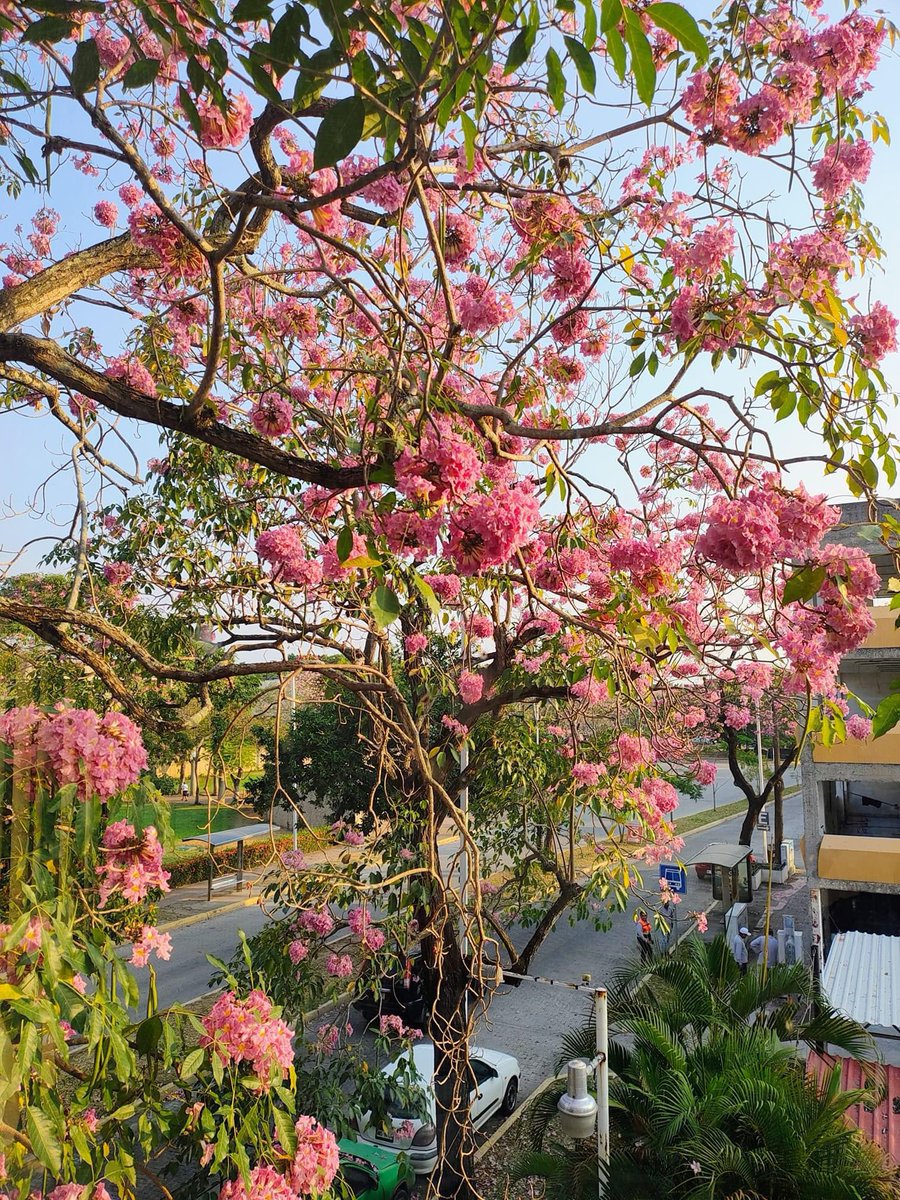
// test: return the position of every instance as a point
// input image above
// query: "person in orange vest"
(645, 936)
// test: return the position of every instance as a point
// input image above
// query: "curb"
(197, 918)
(512, 1118)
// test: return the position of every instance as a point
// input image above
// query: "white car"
(496, 1091)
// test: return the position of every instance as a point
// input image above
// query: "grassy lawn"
(191, 819)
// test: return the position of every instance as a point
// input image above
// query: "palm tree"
(709, 1098)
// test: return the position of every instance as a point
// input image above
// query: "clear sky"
(35, 449)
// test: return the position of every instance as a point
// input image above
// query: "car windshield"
(358, 1180)
(403, 1111)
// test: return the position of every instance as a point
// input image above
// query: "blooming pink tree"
(426, 334)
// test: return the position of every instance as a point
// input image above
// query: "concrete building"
(851, 794)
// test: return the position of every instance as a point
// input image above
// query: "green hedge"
(195, 869)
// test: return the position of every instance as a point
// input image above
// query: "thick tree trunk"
(449, 976)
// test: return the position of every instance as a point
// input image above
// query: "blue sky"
(36, 448)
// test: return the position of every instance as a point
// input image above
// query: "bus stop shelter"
(228, 837)
(732, 878)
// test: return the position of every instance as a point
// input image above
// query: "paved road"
(528, 1021)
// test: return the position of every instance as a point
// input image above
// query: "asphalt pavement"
(527, 1021)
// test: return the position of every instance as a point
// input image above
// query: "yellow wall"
(885, 749)
(866, 859)
(885, 635)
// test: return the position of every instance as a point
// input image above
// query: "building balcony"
(859, 859)
(885, 635)
(885, 749)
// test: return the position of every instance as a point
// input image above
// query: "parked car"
(374, 1174)
(399, 995)
(496, 1091)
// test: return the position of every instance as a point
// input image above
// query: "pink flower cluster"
(150, 940)
(391, 1025)
(117, 573)
(284, 548)
(631, 753)
(272, 415)
(360, 924)
(876, 333)
(101, 755)
(318, 921)
(444, 465)
(131, 863)
(471, 687)
(221, 130)
(247, 1031)
(315, 1161)
(490, 529)
(766, 524)
(842, 165)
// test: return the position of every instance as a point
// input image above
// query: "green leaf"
(522, 45)
(679, 22)
(85, 66)
(610, 15)
(384, 606)
(344, 545)
(140, 73)
(284, 1127)
(584, 64)
(426, 591)
(589, 37)
(147, 1035)
(44, 1141)
(556, 81)
(803, 584)
(615, 48)
(49, 29)
(251, 10)
(284, 42)
(339, 132)
(189, 108)
(641, 58)
(192, 1064)
(887, 714)
(468, 127)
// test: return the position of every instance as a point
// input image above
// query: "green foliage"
(708, 1098)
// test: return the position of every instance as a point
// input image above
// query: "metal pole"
(464, 855)
(601, 1023)
(760, 774)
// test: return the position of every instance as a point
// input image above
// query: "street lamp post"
(580, 1114)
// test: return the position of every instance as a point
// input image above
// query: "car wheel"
(510, 1097)
(402, 1193)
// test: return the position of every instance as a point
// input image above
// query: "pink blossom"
(487, 531)
(101, 755)
(117, 573)
(272, 415)
(445, 587)
(151, 940)
(248, 1031)
(587, 773)
(859, 727)
(218, 130)
(444, 464)
(265, 1183)
(454, 726)
(318, 921)
(327, 1037)
(293, 860)
(633, 752)
(700, 918)
(706, 773)
(315, 1161)
(737, 716)
(297, 951)
(106, 213)
(132, 372)
(876, 333)
(460, 238)
(842, 165)
(480, 307)
(415, 643)
(471, 687)
(131, 863)
(339, 965)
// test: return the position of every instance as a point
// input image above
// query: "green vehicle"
(371, 1173)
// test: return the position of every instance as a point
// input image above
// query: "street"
(527, 1021)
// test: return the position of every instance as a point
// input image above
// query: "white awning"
(862, 977)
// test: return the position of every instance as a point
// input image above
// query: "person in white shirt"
(739, 948)
(766, 949)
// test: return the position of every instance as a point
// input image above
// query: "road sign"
(674, 876)
(762, 821)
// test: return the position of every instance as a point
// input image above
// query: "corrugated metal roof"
(881, 1124)
(862, 977)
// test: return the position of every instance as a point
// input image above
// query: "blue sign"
(674, 876)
